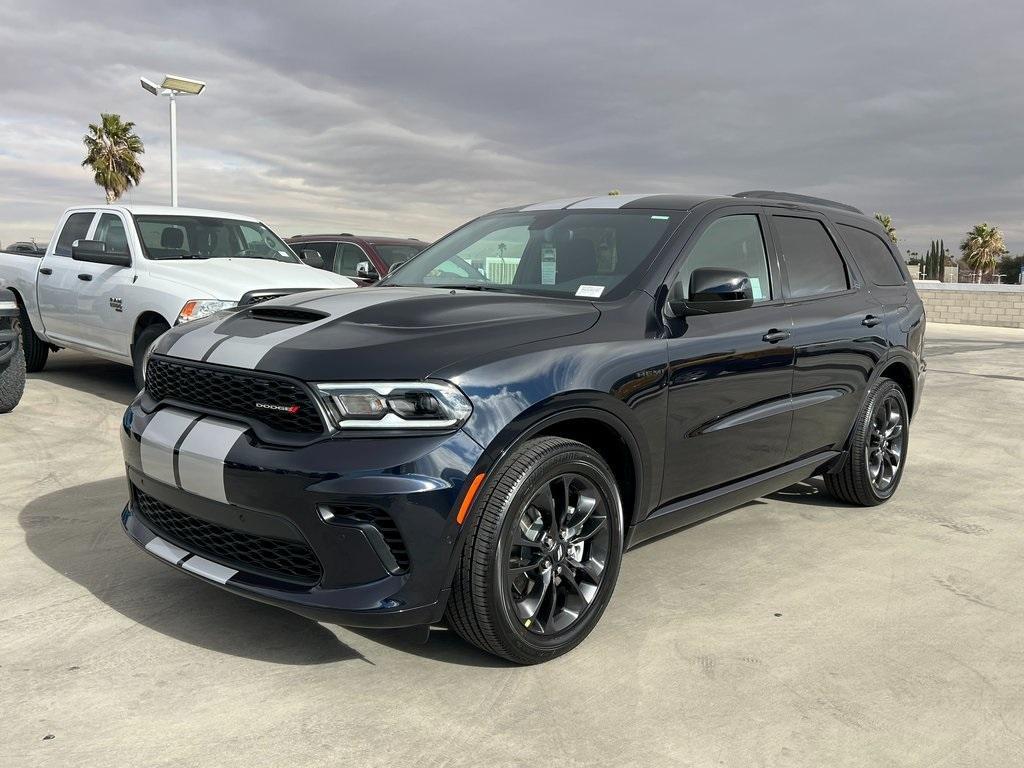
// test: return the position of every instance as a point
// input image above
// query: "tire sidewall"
(886, 388)
(146, 339)
(582, 461)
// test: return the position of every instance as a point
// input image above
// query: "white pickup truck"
(115, 277)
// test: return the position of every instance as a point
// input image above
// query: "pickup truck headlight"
(196, 309)
(397, 405)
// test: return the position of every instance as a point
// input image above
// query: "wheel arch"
(900, 372)
(145, 320)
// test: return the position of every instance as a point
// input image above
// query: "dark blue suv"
(479, 437)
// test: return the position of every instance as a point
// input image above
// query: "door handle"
(774, 336)
(871, 321)
(45, 271)
(85, 276)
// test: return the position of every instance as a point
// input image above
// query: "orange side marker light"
(467, 500)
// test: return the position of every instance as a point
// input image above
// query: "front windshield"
(209, 237)
(565, 253)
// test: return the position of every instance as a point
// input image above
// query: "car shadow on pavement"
(77, 532)
(91, 375)
(810, 491)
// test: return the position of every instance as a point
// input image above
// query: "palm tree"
(886, 221)
(112, 153)
(982, 248)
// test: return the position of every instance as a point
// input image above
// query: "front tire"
(12, 380)
(877, 449)
(36, 350)
(143, 348)
(542, 554)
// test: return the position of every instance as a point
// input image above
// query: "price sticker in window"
(548, 264)
(590, 291)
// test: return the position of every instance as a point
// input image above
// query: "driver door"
(730, 373)
(103, 289)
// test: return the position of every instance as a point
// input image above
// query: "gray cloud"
(408, 118)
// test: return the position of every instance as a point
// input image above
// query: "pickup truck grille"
(280, 404)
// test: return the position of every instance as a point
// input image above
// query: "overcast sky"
(410, 118)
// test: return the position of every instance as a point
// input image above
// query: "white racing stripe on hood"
(242, 352)
(196, 342)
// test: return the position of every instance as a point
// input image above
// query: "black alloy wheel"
(877, 449)
(541, 552)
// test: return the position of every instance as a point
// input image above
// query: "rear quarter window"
(873, 255)
(813, 264)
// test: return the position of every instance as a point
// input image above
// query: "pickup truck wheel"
(143, 348)
(36, 350)
(541, 557)
(12, 380)
(877, 450)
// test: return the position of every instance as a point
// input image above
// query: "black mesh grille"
(291, 560)
(279, 404)
(382, 521)
(259, 298)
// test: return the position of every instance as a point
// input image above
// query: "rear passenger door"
(58, 286)
(838, 330)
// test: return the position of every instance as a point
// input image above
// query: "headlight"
(397, 405)
(196, 309)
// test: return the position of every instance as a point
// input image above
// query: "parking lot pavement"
(793, 631)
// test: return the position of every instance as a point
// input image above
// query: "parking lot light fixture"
(171, 87)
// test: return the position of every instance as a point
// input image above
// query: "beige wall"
(974, 305)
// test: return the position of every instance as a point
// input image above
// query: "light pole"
(171, 87)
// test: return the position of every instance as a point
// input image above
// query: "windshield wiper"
(468, 287)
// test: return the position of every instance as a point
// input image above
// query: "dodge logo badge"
(292, 409)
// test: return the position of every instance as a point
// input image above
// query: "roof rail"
(789, 197)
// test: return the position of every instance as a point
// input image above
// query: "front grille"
(245, 394)
(290, 560)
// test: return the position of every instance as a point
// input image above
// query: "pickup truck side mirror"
(394, 267)
(95, 251)
(365, 271)
(312, 258)
(712, 290)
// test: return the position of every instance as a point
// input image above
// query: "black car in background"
(362, 258)
(478, 438)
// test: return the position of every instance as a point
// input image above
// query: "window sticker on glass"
(548, 263)
(755, 287)
(590, 291)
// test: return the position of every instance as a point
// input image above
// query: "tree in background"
(112, 153)
(982, 248)
(886, 221)
(935, 261)
(1009, 267)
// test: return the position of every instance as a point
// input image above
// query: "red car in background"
(364, 259)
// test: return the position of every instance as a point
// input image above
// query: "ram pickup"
(114, 278)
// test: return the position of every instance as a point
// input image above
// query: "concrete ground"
(793, 631)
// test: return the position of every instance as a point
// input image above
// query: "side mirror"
(312, 258)
(365, 271)
(394, 267)
(95, 251)
(712, 290)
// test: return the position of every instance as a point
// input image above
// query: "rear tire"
(142, 348)
(36, 350)
(877, 449)
(532, 584)
(12, 381)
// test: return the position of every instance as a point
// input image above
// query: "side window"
(873, 255)
(326, 251)
(349, 256)
(813, 263)
(735, 242)
(110, 230)
(75, 228)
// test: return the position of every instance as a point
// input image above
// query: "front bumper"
(375, 515)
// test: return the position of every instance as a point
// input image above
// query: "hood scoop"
(287, 315)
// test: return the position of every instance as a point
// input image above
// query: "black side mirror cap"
(712, 290)
(312, 258)
(95, 252)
